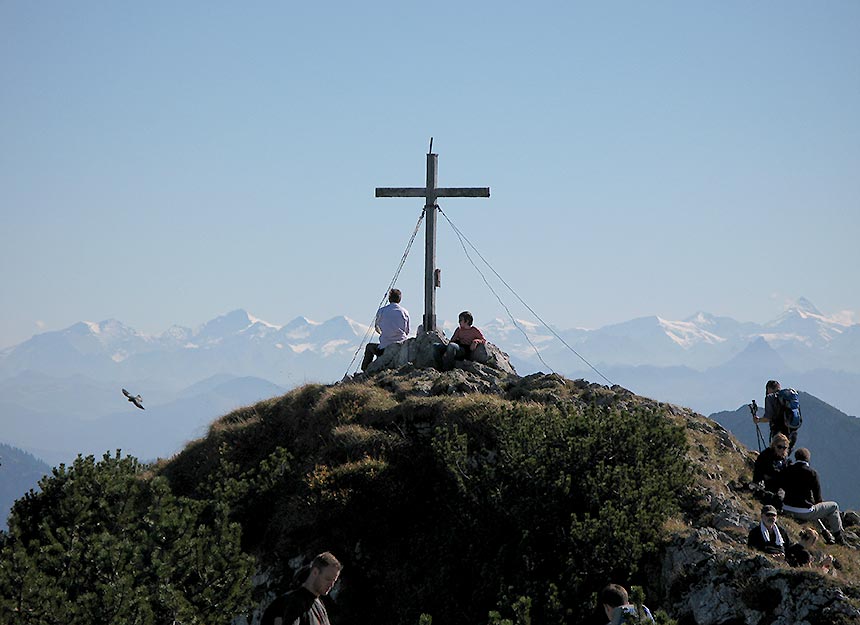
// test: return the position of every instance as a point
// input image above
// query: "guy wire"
(390, 286)
(462, 237)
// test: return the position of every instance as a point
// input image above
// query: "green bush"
(99, 544)
(517, 510)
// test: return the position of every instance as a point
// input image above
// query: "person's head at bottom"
(613, 596)
(324, 571)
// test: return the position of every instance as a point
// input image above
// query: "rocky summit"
(420, 351)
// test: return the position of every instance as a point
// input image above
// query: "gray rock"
(421, 352)
(490, 355)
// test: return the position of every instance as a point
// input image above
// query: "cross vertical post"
(430, 245)
(430, 192)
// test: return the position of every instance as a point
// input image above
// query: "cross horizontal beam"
(437, 192)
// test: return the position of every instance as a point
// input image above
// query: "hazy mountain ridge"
(158, 431)
(802, 335)
(19, 472)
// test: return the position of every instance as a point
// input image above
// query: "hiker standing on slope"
(774, 414)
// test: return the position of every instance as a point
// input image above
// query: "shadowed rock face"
(421, 352)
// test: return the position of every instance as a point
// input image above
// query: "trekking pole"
(754, 411)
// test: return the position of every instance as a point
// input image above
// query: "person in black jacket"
(767, 468)
(302, 606)
(767, 536)
(803, 495)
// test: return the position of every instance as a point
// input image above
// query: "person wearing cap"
(767, 536)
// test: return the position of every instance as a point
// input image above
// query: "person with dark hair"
(464, 341)
(392, 324)
(803, 495)
(775, 415)
(767, 468)
(618, 608)
(767, 536)
(303, 606)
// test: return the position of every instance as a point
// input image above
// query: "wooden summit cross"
(431, 192)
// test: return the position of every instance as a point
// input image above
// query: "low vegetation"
(467, 509)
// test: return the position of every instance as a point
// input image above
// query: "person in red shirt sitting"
(464, 341)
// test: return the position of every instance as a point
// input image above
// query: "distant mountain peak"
(231, 323)
(803, 305)
(257, 320)
(300, 322)
(701, 317)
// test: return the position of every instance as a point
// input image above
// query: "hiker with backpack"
(781, 411)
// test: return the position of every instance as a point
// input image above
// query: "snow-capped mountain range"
(707, 362)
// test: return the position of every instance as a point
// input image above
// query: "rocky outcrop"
(708, 574)
(420, 351)
(712, 581)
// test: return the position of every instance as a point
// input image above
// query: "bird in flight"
(137, 400)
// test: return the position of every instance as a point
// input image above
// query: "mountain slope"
(19, 472)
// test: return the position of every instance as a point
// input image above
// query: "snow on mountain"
(175, 337)
(337, 328)
(110, 336)
(298, 328)
(724, 327)
(238, 343)
(803, 323)
(218, 329)
(687, 334)
(257, 321)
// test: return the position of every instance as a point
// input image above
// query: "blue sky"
(166, 162)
